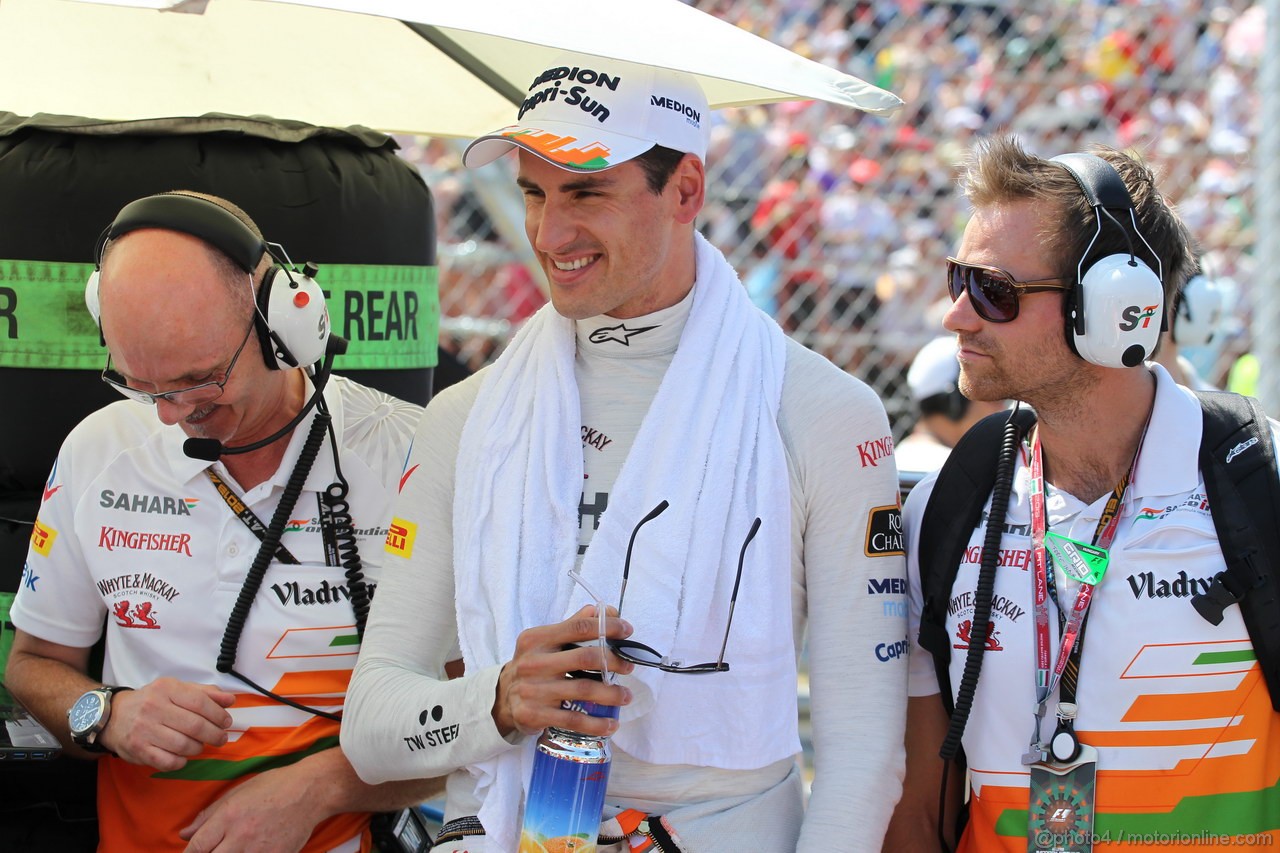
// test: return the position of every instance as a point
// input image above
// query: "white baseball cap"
(588, 113)
(934, 370)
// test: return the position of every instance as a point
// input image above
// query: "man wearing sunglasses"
(1103, 710)
(140, 534)
(751, 498)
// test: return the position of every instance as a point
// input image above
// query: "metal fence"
(838, 222)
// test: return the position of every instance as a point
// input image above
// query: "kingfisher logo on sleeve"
(42, 537)
(400, 537)
(871, 452)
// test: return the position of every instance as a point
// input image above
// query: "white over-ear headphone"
(291, 317)
(1200, 312)
(1115, 312)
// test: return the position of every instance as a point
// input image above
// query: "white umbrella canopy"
(435, 67)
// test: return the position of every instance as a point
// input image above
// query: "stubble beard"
(1054, 378)
(198, 430)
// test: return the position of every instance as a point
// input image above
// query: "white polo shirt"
(132, 533)
(1176, 707)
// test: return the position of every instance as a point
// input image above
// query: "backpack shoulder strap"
(953, 511)
(1238, 463)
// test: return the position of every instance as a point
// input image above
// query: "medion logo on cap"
(577, 96)
(588, 113)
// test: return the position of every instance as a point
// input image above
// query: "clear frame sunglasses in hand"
(643, 655)
(607, 676)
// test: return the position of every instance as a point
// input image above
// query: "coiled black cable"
(983, 595)
(344, 535)
(262, 560)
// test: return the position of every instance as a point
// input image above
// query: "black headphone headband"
(290, 314)
(192, 215)
(1098, 180)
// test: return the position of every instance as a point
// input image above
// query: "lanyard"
(241, 510)
(329, 528)
(1048, 677)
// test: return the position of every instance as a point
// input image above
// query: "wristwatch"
(88, 717)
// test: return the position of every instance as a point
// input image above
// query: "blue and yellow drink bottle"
(566, 792)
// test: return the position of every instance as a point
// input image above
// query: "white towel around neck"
(710, 446)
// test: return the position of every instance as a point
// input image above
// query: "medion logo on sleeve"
(887, 586)
(884, 532)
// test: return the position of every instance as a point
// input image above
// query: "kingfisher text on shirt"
(112, 538)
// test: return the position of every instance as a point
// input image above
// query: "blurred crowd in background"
(838, 222)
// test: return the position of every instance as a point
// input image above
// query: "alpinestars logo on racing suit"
(619, 333)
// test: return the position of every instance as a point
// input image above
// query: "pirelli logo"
(42, 537)
(884, 532)
(400, 537)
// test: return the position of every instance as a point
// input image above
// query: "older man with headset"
(231, 630)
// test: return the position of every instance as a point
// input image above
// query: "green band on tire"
(390, 315)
